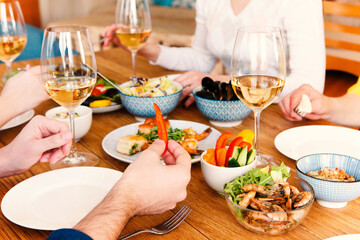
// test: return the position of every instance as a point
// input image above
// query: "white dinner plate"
(110, 140)
(345, 237)
(58, 198)
(18, 120)
(301, 141)
(111, 108)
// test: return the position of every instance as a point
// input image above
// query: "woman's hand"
(320, 104)
(21, 93)
(42, 139)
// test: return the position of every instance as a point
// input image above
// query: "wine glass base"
(225, 124)
(264, 160)
(84, 159)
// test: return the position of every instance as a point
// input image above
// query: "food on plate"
(239, 153)
(216, 90)
(64, 115)
(132, 144)
(188, 138)
(304, 106)
(150, 87)
(103, 95)
(332, 174)
(161, 126)
(100, 103)
(269, 198)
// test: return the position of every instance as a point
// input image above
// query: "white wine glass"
(133, 23)
(258, 72)
(12, 33)
(69, 73)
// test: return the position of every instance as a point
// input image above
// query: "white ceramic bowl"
(216, 176)
(82, 123)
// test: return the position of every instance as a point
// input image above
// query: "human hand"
(189, 80)
(24, 91)
(153, 187)
(42, 139)
(320, 104)
(110, 34)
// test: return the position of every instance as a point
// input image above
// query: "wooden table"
(210, 218)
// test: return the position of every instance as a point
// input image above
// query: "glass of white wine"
(12, 33)
(69, 73)
(258, 71)
(133, 23)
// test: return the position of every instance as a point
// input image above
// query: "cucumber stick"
(242, 158)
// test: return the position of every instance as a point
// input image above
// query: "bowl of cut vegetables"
(264, 201)
(138, 96)
(223, 163)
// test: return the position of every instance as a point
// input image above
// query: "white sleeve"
(305, 32)
(197, 57)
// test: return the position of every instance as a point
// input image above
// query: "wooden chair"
(342, 41)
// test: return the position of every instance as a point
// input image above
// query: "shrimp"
(255, 187)
(149, 124)
(274, 200)
(302, 199)
(286, 188)
(288, 204)
(261, 205)
(280, 214)
(294, 190)
(247, 199)
(190, 133)
(190, 145)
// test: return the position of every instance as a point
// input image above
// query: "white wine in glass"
(133, 23)
(258, 72)
(69, 74)
(12, 33)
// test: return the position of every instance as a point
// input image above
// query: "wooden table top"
(210, 218)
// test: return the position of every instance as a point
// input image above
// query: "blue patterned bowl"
(221, 113)
(143, 106)
(331, 194)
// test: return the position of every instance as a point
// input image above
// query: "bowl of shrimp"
(274, 209)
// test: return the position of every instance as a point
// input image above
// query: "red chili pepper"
(220, 143)
(230, 149)
(243, 143)
(99, 89)
(161, 126)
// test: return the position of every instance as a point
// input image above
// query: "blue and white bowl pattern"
(225, 111)
(143, 106)
(331, 191)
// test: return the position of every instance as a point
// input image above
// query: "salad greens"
(260, 176)
(174, 134)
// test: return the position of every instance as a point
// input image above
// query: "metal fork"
(166, 226)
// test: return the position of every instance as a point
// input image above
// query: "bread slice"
(131, 144)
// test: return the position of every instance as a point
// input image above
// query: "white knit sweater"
(301, 22)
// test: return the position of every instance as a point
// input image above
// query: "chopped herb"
(132, 148)
(174, 134)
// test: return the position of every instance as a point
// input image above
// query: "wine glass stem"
(73, 151)
(257, 132)
(133, 56)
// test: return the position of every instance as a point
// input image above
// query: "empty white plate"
(58, 198)
(345, 237)
(301, 141)
(18, 120)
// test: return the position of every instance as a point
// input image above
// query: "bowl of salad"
(268, 201)
(138, 96)
(223, 163)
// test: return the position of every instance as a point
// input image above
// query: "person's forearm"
(150, 51)
(345, 110)
(4, 162)
(107, 220)
(7, 111)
